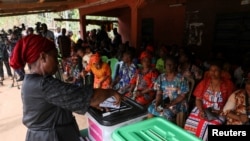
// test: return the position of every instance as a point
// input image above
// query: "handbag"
(209, 115)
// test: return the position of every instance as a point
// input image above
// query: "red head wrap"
(28, 49)
(150, 48)
(95, 58)
(145, 54)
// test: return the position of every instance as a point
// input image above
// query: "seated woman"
(169, 85)
(126, 71)
(211, 92)
(100, 70)
(237, 108)
(141, 85)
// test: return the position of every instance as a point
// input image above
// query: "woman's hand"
(168, 105)
(158, 107)
(199, 105)
(129, 94)
(202, 114)
(243, 118)
(138, 93)
(101, 95)
(99, 85)
(118, 98)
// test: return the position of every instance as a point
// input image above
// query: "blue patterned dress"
(125, 73)
(170, 89)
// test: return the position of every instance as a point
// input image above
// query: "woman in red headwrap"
(141, 84)
(150, 51)
(48, 103)
(100, 70)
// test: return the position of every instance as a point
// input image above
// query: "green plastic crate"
(154, 129)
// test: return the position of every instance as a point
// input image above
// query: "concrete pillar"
(83, 26)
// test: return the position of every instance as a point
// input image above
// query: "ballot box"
(154, 129)
(102, 124)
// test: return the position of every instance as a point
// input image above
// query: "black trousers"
(7, 65)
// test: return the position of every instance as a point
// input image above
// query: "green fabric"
(113, 65)
(160, 65)
(105, 59)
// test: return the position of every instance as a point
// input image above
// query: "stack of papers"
(109, 103)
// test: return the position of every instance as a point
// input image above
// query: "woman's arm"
(99, 95)
(74, 98)
(179, 98)
(158, 98)
(104, 79)
(107, 74)
(145, 91)
(241, 117)
(150, 83)
(199, 105)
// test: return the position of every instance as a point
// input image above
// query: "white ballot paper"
(109, 103)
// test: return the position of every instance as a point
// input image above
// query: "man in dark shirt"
(64, 44)
(101, 35)
(117, 38)
(4, 59)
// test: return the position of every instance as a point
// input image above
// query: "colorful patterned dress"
(236, 103)
(75, 73)
(126, 72)
(215, 99)
(100, 74)
(170, 89)
(144, 81)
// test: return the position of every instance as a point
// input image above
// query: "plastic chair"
(105, 59)
(113, 62)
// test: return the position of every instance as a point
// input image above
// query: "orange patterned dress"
(100, 74)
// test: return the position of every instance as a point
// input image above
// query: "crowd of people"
(169, 80)
(166, 80)
(158, 77)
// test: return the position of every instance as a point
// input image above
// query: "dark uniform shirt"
(48, 104)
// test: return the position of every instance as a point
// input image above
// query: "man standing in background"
(47, 33)
(4, 59)
(64, 45)
(57, 34)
